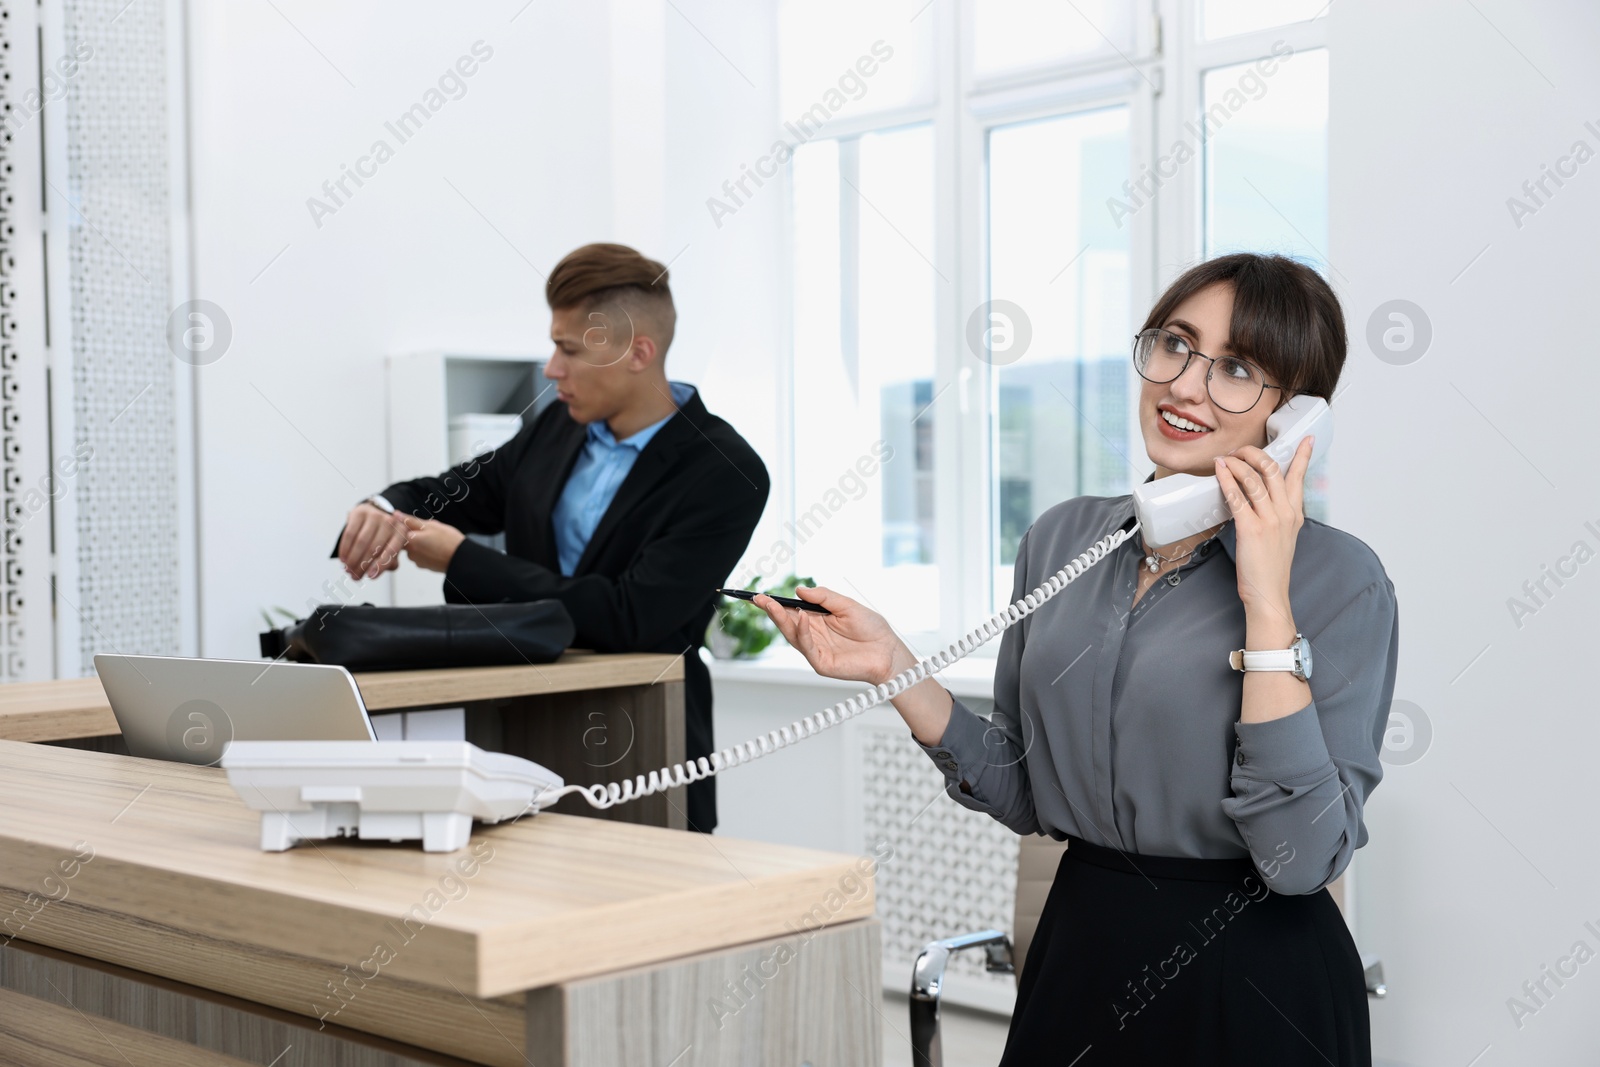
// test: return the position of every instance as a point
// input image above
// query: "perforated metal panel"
(26, 637)
(953, 871)
(123, 374)
(13, 662)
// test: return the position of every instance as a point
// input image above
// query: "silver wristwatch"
(1296, 659)
(381, 502)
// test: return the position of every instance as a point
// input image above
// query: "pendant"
(1150, 561)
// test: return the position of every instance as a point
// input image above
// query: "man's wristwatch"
(381, 502)
(1296, 659)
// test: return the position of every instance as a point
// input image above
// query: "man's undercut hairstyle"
(615, 281)
(1286, 319)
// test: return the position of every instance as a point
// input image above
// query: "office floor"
(971, 1038)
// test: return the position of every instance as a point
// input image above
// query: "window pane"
(1266, 172)
(1267, 157)
(1061, 403)
(863, 381)
(844, 57)
(1225, 18)
(1016, 34)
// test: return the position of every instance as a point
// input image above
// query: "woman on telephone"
(1205, 807)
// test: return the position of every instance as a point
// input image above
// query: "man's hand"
(372, 541)
(431, 543)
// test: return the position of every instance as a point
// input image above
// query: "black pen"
(786, 601)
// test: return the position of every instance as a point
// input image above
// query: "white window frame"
(1160, 81)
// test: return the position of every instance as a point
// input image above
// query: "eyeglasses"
(1161, 356)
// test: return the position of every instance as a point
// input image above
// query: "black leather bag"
(363, 637)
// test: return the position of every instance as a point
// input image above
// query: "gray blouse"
(1122, 728)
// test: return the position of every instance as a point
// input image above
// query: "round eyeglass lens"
(1234, 384)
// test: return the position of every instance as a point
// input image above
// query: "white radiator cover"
(953, 870)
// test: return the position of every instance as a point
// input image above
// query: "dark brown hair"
(614, 277)
(1286, 319)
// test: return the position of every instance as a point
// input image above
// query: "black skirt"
(1154, 960)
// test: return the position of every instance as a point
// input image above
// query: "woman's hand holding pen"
(856, 644)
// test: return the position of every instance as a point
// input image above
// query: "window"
(1266, 172)
(975, 240)
(864, 368)
(1266, 177)
(1060, 396)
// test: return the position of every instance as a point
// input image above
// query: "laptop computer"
(188, 710)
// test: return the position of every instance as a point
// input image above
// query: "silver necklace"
(1153, 559)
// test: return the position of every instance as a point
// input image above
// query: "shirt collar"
(1225, 536)
(600, 433)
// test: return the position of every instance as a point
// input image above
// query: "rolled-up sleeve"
(1299, 782)
(982, 760)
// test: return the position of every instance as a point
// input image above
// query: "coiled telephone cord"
(611, 794)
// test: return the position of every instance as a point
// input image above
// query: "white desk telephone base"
(382, 790)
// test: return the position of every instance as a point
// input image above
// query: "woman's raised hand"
(854, 643)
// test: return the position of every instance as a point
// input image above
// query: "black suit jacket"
(679, 522)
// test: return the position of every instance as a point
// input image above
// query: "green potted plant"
(739, 629)
(277, 618)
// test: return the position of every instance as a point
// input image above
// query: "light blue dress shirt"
(599, 472)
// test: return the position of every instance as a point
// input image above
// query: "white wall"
(291, 419)
(1466, 471)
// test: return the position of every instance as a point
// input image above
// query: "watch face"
(1304, 648)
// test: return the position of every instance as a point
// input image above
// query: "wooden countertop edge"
(89, 713)
(712, 924)
(39, 725)
(383, 690)
(510, 958)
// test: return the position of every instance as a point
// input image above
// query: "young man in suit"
(625, 500)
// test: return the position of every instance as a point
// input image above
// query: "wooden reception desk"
(148, 928)
(589, 717)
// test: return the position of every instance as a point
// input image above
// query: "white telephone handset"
(1168, 509)
(1178, 505)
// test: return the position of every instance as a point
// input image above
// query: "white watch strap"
(1276, 659)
